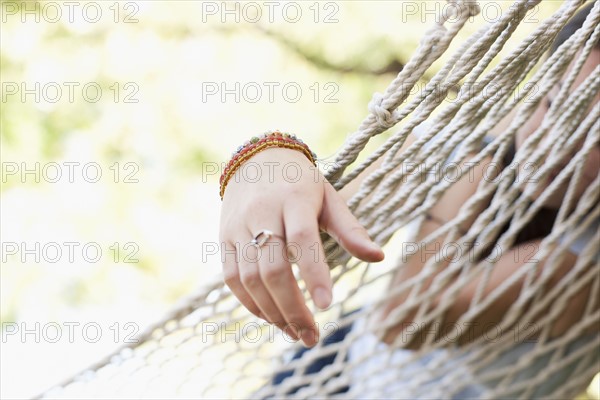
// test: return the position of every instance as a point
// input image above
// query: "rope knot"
(472, 6)
(434, 35)
(460, 10)
(384, 117)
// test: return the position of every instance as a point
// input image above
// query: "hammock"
(209, 346)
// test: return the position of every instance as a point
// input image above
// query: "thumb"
(337, 220)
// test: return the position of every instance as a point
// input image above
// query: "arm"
(512, 260)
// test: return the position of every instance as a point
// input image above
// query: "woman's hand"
(280, 190)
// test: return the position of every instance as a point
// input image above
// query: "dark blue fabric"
(317, 365)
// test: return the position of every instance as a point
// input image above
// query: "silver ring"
(261, 238)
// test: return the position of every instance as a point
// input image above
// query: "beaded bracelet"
(260, 143)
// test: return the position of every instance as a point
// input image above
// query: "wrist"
(259, 144)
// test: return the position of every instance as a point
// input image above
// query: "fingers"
(247, 285)
(231, 276)
(276, 273)
(343, 226)
(251, 280)
(302, 234)
(262, 278)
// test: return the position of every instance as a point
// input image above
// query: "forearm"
(514, 261)
(495, 298)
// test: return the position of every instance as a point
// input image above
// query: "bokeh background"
(116, 119)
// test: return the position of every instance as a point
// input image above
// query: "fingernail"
(322, 297)
(309, 337)
(291, 331)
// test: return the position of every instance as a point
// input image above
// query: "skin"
(297, 209)
(592, 164)
(511, 261)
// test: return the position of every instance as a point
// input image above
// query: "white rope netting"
(209, 346)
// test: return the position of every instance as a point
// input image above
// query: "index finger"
(302, 233)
